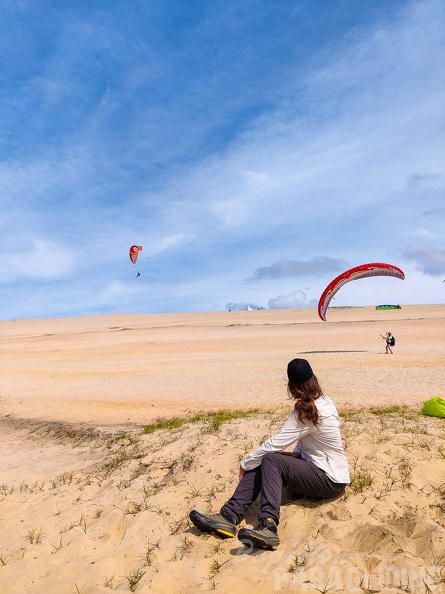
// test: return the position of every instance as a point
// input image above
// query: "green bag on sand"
(435, 407)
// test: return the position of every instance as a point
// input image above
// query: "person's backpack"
(392, 341)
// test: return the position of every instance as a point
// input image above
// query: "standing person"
(317, 467)
(389, 342)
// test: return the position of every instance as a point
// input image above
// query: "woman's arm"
(290, 432)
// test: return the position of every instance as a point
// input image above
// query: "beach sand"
(91, 505)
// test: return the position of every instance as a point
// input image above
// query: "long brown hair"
(305, 395)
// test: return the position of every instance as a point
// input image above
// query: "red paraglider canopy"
(134, 252)
(362, 271)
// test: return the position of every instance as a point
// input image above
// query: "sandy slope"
(85, 512)
(131, 368)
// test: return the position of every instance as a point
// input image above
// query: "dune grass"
(392, 450)
(348, 412)
(212, 418)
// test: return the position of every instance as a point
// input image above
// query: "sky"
(255, 150)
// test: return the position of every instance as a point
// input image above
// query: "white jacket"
(321, 445)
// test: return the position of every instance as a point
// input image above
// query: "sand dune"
(114, 369)
(90, 504)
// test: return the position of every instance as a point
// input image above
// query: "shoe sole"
(204, 527)
(251, 539)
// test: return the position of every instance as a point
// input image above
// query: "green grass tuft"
(173, 423)
(350, 414)
(385, 410)
(212, 418)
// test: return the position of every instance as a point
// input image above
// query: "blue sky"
(254, 149)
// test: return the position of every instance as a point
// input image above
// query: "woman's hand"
(242, 472)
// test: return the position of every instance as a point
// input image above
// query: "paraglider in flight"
(363, 271)
(134, 252)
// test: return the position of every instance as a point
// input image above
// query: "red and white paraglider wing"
(372, 269)
(134, 252)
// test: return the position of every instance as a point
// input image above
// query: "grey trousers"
(277, 470)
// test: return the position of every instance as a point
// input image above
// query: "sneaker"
(216, 524)
(264, 536)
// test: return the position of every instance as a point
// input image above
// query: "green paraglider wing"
(435, 407)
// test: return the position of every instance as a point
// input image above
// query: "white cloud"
(293, 300)
(345, 160)
(343, 169)
(157, 246)
(318, 266)
(258, 180)
(427, 260)
(425, 179)
(39, 259)
(231, 212)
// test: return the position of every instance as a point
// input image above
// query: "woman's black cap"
(299, 371)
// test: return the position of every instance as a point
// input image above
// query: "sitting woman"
(317, 467)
